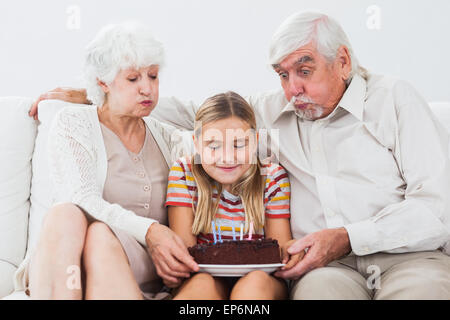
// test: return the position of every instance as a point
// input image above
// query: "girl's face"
(227, 149)
(134, 92)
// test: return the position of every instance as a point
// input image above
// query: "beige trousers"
(416, 275)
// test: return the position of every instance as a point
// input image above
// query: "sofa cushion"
(17, 295)
(6, 278)
(17, 132)
(41, 187)
(442, 112)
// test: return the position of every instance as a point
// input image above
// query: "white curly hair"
(117, 47)
(302, 28)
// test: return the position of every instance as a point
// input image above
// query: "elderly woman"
(105, 237)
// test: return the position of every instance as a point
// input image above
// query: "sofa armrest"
(6, 278)
(17, 136)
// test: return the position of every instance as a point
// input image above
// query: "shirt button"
(146, 206)
(141, 174)
(365, 249)
(146, 188)
(135, 159)
(330, 213)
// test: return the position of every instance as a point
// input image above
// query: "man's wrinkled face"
(312, 83)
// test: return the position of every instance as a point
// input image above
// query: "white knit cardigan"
(78, 167)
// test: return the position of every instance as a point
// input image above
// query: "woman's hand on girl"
(169, 254)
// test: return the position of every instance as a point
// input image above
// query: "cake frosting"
(259, 251)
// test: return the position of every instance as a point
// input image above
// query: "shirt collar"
(289, 107)
(352, 100)
(354, 97)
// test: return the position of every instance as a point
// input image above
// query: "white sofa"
(25, 187)
(24, 181)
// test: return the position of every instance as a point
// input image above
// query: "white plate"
(237, 270)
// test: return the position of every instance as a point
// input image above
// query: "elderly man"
(369, 171)
(368, 164)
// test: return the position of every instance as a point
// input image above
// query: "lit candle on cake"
(241, 227)
(219, 227)
(214, 231)
(250, 232)
(234, 231)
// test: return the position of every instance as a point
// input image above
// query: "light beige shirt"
(377, 165)
(136, 181)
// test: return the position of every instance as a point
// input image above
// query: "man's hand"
(64, 94)
(323, 247)
(169, 254)
(288, 259)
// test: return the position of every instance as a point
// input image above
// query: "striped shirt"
(182, 192)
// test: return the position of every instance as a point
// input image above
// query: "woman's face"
(134, 92)
(227, 149)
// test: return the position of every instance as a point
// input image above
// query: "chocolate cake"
(260, 251)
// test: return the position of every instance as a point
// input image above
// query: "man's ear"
(344, 62)
(103, 85)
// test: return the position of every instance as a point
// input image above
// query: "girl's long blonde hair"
(250, 187)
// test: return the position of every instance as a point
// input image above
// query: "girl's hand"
(290, 260)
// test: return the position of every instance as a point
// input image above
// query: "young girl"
(253, 195)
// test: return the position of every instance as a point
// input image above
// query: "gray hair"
(117, 47)
(303, 28)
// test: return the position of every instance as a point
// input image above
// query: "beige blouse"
(138, 182)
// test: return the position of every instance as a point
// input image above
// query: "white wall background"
(218, 45)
